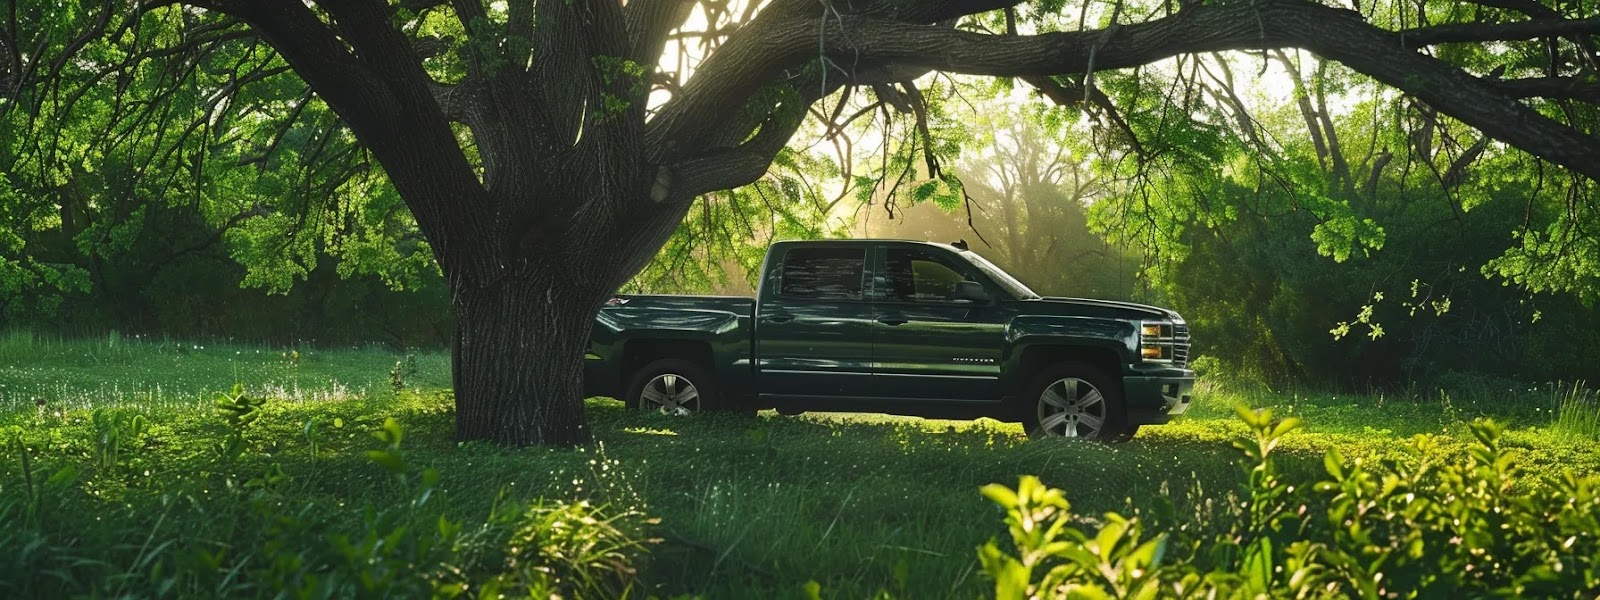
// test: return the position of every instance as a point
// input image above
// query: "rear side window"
(823, 273)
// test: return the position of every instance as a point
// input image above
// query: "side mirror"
(970, 291)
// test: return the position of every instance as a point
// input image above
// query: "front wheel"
(1075, 400)
(674, 387)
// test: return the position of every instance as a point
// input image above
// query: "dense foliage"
(154, 193)
(1351, 236)
(1413, 527)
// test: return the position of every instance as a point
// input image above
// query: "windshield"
(1011, 285)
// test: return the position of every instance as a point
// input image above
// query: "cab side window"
(823, 273)
(913, 276)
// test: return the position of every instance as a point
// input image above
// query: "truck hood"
(1108, 308)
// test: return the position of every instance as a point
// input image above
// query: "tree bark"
(518, 355)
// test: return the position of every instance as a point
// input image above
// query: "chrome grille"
(1180, 344)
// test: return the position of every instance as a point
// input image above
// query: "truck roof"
(959, 247)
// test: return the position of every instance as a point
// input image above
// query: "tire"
(1075, 400)
(1128, 432)
(673, 386)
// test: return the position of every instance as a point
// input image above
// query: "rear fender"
(717, 339)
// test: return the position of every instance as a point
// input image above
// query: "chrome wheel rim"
(670, 394)
(1073, 408)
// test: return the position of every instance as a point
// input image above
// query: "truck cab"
(899, 327)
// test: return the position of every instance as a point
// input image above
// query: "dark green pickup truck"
(909, 328)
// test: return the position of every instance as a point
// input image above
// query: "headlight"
(1156, 341)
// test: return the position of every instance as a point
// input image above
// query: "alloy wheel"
(670, 394)
(1072, 407)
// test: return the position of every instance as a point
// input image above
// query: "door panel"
(937, 352)
(926, 345)
(812, 334)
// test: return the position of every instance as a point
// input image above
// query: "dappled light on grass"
(55, 374)
(649, 431)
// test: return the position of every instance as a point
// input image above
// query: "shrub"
(235, 520)
(570, 549)
(1413, 527)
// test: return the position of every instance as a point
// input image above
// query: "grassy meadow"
(122, 477)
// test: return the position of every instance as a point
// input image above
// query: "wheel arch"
(1036, 357)
(638, 352)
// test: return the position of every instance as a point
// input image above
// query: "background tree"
(1030, 190)
(524, 139)
(1393, 226)
(144, 181)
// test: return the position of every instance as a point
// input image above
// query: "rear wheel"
(1075, 400)
(674, 387)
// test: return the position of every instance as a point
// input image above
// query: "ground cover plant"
(110, 489)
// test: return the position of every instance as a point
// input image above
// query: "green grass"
(1578, 415)
(156, 374)
(747, 507)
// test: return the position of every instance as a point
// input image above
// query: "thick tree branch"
(372, 79)
(784, 36)
(1341, 35)
(461, 102)
(422, 5)
(1457, 173)
(1536, 10)
(320, 58)
(649, 22)
(1501, 32)
(1373, 176)
(365, 25)
(1549, 87)
(734, 167)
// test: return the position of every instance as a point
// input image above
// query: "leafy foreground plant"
(1405, 528)
(240, 523)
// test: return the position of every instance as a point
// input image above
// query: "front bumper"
(1155, 397)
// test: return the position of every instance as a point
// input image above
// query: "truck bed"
(735, 304)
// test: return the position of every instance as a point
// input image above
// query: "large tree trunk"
(518, 368)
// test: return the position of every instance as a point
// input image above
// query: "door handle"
(891, 321)
(777, 318)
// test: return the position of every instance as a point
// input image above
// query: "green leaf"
(812, 590)
(1285, 426)
(1258, 566)
(387, 459)
(1333, 462)
(1000, 495)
